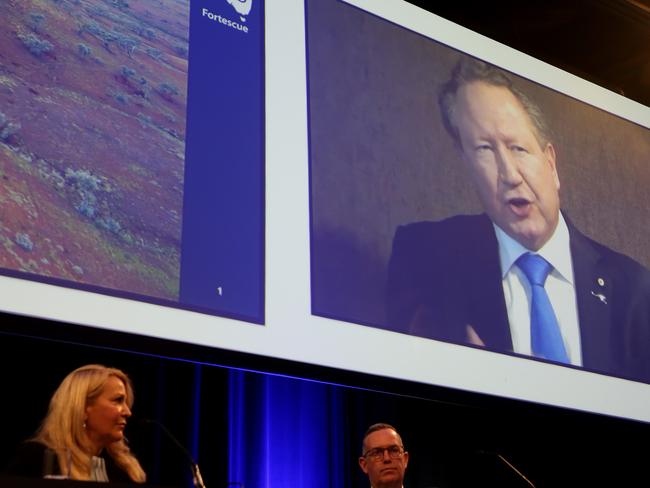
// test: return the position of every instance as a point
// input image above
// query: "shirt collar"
(556, 251)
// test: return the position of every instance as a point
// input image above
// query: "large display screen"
(119, 174)
(304, 135)
(419, 150)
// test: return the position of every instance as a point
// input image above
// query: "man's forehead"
(383, 437)
(480, 94)
(484, 107)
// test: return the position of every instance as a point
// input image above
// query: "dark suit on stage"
(28, 461)
(445, 276)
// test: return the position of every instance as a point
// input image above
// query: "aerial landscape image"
(92, 142)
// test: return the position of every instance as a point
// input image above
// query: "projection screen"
(232, 174)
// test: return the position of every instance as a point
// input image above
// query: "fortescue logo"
(224, 20)
(242, 7)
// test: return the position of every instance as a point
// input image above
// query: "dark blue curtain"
(285, 432)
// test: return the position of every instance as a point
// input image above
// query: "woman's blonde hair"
(63, 429)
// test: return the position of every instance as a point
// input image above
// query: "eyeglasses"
(377, 453)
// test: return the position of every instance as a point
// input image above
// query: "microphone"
(509, 464)
(197, 479)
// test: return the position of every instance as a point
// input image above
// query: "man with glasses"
(383, 457)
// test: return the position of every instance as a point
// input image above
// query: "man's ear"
(363, 464)
(406, 458)
(549, 153)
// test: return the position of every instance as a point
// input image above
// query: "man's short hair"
(469, 70)
(375, 428)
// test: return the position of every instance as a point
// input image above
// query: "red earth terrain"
(92, 141)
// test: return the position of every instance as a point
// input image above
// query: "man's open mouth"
(519, 206)
(518, 202)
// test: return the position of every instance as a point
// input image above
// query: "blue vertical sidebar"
(222, 258)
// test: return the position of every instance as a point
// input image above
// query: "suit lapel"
(487, 313)
(593, 285)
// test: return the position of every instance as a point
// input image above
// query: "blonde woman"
(83, 432)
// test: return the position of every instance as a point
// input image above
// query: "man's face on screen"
(385, 460)
(515, 177)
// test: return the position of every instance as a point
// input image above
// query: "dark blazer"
(28, 461)
(445, 276)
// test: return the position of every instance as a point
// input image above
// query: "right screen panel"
(417, 232)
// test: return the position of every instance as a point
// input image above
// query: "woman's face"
(106, 415)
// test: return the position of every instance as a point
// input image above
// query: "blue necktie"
(545, 337)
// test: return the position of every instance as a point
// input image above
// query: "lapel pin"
(601, 282)
(600, 297)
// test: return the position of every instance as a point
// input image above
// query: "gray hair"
(469, 70)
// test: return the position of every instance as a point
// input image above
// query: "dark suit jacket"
(445, 276)
(29, 457)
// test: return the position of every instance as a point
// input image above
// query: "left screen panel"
(131, 150)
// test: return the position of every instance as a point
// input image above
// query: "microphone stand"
(510, 465)
(197, 479)
(521, 475)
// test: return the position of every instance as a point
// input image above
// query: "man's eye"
(518, 149)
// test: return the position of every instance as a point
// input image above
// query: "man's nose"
(386, 456)
(127, 411)
(508, 167)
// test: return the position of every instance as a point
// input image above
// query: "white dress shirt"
(560, 287)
